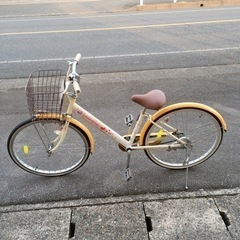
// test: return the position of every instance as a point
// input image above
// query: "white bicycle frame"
(127, 144)
(106, 129)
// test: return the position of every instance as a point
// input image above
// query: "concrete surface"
(19, 8)
(229, 209)
(186, 219)
(184, 215)
(37, 224)
(110, 221)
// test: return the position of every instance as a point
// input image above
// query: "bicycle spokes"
(49, 137)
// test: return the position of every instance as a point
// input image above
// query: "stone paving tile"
(117, 221)
(35, 225)
(229, 206)
(196, 219)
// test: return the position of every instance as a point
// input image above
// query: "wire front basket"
(45, 91)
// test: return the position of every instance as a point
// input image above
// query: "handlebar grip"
(77, 58)
(76, 87)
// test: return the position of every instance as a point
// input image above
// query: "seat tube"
(137, 125)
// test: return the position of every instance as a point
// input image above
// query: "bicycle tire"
(26, 148)
(200, 128)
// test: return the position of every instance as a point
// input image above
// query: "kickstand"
(186, 186)
(127, 173)
(186, 163)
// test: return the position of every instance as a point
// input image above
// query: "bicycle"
(53, 143)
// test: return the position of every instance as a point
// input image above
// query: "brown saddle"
(153, 100)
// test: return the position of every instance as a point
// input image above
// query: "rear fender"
(180, 106)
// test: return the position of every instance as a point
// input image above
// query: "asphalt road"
(107, 96)
(121, 42)
(190, 62)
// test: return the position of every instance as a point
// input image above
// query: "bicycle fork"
(51, 145)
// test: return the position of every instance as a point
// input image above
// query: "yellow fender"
(179, 106)
(73, 121)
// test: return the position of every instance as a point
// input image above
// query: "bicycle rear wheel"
(197, 127)
(28, 143)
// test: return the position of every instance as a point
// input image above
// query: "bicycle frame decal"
(100, 125)
(114, 135)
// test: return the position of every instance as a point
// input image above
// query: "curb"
(123, 199)
(147, 7)
(177, 5)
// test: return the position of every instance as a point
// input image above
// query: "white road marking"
(123, 55)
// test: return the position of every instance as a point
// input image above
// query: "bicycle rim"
(28, 143)
(198, 127)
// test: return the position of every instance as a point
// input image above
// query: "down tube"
(100, 125)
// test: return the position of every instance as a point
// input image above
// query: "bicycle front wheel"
(198, 128)
(29, 142)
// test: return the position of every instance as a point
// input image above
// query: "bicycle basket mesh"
(45, 91)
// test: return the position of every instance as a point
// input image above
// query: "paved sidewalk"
(73, 7)
(184, 215)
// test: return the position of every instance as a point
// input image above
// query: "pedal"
(128, 120)
(127, 174)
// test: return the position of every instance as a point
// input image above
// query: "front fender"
(87, 132)
(180, 106)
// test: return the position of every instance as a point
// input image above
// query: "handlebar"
(75, 63)
(76, 87)
(77, 58)
(72, 75)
